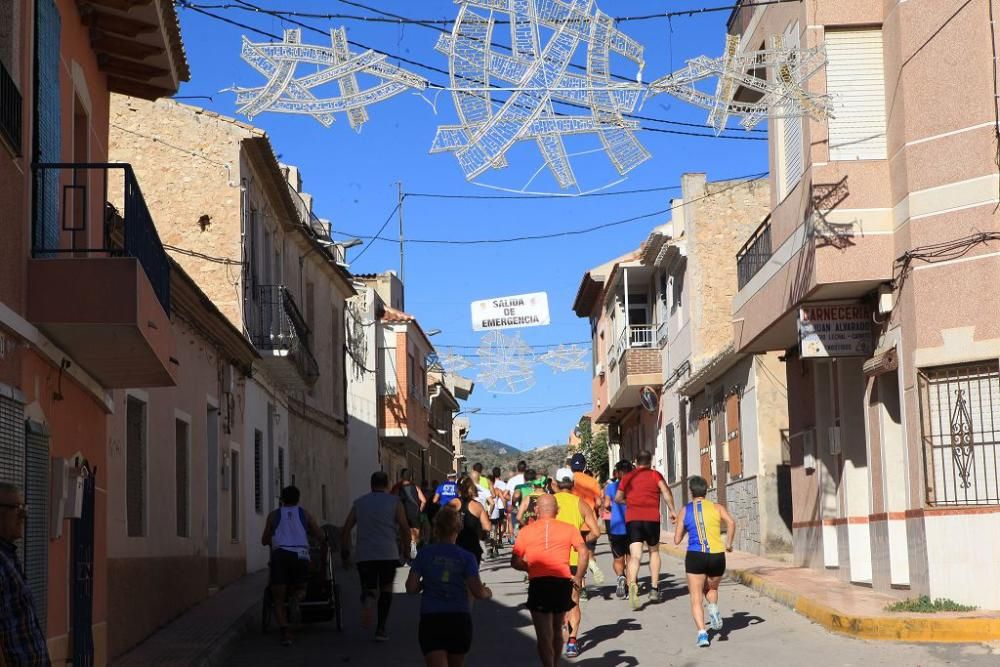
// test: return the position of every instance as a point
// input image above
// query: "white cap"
(564, 474)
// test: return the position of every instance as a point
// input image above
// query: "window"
(387, 374)
(733, 439)
(790, 153)
(960, 426)
(135, 467)
(10, 66)
(337, 363)
(258, 471)
(234, 495)
(281, 469)
(705, 449)
(181, 471)
(671, 454)
(855, 81)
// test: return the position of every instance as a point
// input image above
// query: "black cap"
(578, 463)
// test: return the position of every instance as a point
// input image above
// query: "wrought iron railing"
(754, 254)
(634, 336)
(127, 228)
(276, 325)
(10, 110)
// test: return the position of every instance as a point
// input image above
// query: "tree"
(594, 447)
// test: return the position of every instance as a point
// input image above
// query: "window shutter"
(705, 449)
(733, 436)
(135, 467)
(258, 471)
(792, 150)
(855, 80)
(181, 476)
(234, 495)
(11, 440)
(36, 534)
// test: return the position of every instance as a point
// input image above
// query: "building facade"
(861, 275)
(84, 286)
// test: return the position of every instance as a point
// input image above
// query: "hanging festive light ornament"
(564, 359)
(506, 364)
(287, 93)
(533, 76)
(783, 97)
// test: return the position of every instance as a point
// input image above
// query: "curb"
(217, 652)
(915, 629)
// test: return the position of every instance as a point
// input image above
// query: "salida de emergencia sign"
(836, 330)
(511, 312)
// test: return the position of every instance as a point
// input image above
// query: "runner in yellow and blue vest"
(705, 562)
(576, 512)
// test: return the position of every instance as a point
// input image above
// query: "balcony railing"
(277, 325)
(636, 336)
(64, 204)
(754, 254)
(10, 110)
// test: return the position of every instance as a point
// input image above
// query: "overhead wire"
(379, 232)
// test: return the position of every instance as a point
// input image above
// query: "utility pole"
(399, 208)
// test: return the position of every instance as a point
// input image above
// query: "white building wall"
(362, 392)
(262, 405)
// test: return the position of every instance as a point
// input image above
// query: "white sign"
(836, 330)
(511, 312)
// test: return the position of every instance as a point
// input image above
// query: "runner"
(588, 489)
(574, 511)
(286, 531)
(499, 511)
(705, 562)
(475, 518)
(446, 491)
(479, 478)
(529, 493)
(542, 550)
(617, 532)
(641, 491)
(516, 480)
(383, 536)
(447, 575)
(414, 502)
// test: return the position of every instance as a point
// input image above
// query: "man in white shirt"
(512, 484)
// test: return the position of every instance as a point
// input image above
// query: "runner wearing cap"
(577, 513)
(588, 489)
(446, 491)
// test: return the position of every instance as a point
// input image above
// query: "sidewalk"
(203, 635)
(852, 610)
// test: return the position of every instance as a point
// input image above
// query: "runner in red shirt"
(641, 491)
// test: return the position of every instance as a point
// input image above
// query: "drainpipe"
(628, 332)
(682, 408)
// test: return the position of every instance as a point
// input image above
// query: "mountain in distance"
(492, 453)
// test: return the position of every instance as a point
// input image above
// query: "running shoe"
(633, 596)
(654, 595)
(622, 589)
(584, 593)
(703, 639)
(571, 649)
(413, 550)
(714, 618)
(595, 570)
(381, 635)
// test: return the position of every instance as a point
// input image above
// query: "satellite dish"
(649, 399)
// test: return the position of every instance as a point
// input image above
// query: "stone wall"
(741, 501)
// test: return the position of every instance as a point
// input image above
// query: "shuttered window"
(791, 152)
(281, 469)
(855, 81)
(387, 374)
(181, 484)
(36, 530)
(705, 449)
(733, 436)
(671, 454)
(11, 440)
(258, 472)
(234, 495)
(135, 467)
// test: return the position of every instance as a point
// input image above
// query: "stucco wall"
(262, 402)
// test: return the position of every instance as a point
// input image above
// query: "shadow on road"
(741, 620)
(609, 659)
(593, 637)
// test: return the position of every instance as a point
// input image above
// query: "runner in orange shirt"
(588, 489)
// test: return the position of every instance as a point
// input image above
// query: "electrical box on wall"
(67, 494)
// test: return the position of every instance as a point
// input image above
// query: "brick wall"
(641, 362)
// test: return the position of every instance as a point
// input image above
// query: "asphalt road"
(757, 631)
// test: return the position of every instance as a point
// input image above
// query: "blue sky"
(353, 178)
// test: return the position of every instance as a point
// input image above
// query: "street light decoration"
(536, 74)
(565, 358)
(285, 92)
(506, 364)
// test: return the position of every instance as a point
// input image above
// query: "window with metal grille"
(234, 495)
(281, 469)
(258, 471)
(181, 469)
(960, 426)
(11, 439)
(36, 529)
(135, 467)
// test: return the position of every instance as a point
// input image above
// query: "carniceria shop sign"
(511, 312)
(836, 330)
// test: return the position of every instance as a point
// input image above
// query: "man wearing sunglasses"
(22, 642)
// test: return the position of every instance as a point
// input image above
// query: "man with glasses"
(22, 642)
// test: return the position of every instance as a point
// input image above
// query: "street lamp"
(432, 332)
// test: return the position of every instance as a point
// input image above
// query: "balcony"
(754, 254)
(10, 111)
(99, 280)
(635, 362)
(280, 334)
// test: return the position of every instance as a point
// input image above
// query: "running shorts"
(451, 633)
(550, 595)
(376, 574)
(619, 545)
(287, 569)
(644, 531)
(698, 562)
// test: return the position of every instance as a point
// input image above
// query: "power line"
(380, 230)
(515, 413)
(562, 234)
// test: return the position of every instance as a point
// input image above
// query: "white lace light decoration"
(538, 74)
(287, 93)
(564, 359)
(784, 97)
(453, 362)
(506, 364)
